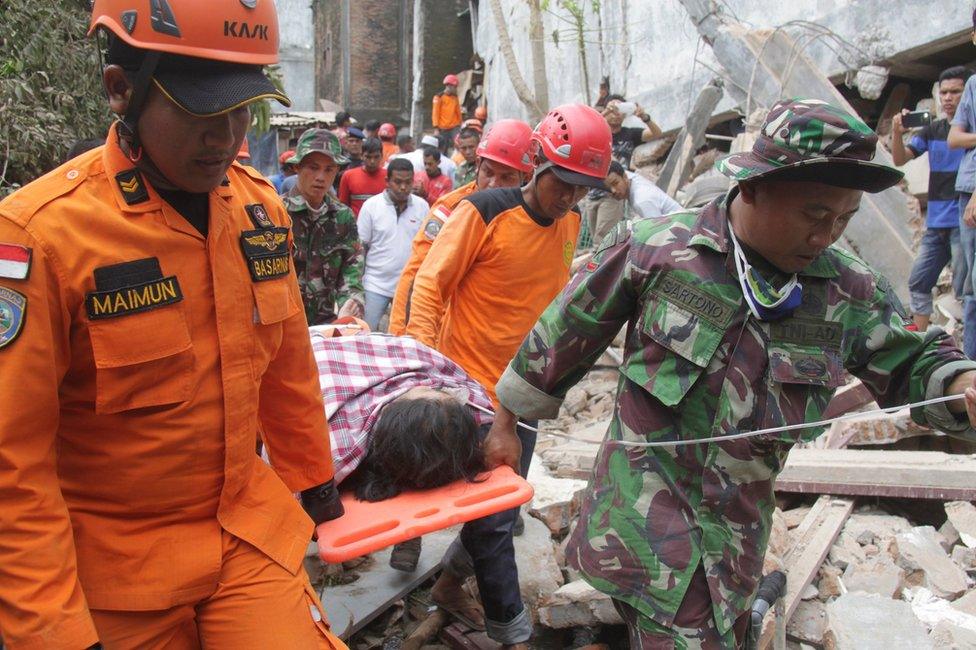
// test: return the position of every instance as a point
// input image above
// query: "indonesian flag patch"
(15, 261)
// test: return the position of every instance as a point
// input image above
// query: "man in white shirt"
(643, 198)
(416, 157)
(387, 224)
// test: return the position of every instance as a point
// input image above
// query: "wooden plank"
(853, 472)
(817, 534)
(351, 607)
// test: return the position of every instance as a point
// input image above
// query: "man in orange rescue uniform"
(499, 260)
(150, 328)
(503, 161)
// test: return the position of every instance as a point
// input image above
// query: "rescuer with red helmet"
(495, 265)
(503, 161)
(446, 111)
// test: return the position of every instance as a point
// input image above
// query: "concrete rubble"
(858, 621)
(885, 580)
(919, 552)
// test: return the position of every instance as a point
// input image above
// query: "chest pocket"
(143, 359)
(273, 301)
(674, 347)
(805, 367)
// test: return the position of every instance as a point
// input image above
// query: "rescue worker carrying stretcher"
(151, 328)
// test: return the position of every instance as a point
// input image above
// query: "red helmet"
(387, 130)
(576, 140)
(283, 158)
(451, 80)
(507, 142)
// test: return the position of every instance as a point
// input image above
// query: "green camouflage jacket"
(465, 173)
(328, 256)
(697, 365)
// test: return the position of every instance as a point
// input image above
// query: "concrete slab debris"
(947, 636)
(578, 604)
(962, 516)
(918, 551)
(809, 622)
(966, 604)
(539, 574)
(931, 610)
(869, 472)
(857, 621)
(875, 528)
(880, 576)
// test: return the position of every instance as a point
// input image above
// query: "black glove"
(322, 503)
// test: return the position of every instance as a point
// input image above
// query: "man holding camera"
(940, 244)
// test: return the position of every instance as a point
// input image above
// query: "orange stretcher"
(368, 527)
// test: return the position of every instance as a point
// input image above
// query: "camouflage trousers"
(694, 626)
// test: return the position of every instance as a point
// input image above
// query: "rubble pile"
(860, 572)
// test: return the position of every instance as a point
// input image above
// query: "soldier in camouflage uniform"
(328, 255)
(676, 534)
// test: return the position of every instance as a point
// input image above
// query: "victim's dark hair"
(419, 444)
(615, 168)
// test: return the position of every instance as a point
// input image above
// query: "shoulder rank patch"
(131, 185)
(15, 261)
(129, 288)
(259, 216)
(266, 252)
(13, 310)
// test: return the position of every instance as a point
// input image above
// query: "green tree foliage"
(50, 88)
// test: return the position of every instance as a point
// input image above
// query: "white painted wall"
(648, 46)
(296, 53)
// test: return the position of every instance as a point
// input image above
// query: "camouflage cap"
(318, 141)
(811, 140)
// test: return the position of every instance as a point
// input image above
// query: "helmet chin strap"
(140, 90)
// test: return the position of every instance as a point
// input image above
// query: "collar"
(295, 202)
(711, 230)
(133, 193)
(389, 201)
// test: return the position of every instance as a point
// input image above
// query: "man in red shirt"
(435, 183)
(364, 182)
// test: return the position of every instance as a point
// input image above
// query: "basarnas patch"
(266, 252)
(13, 311)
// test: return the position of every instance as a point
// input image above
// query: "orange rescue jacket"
(438, 214)
(445, 111)
(149, 361)
(489, 274)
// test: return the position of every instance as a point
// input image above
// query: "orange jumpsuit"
(439, 213)
(487, 278)
(148, 361)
